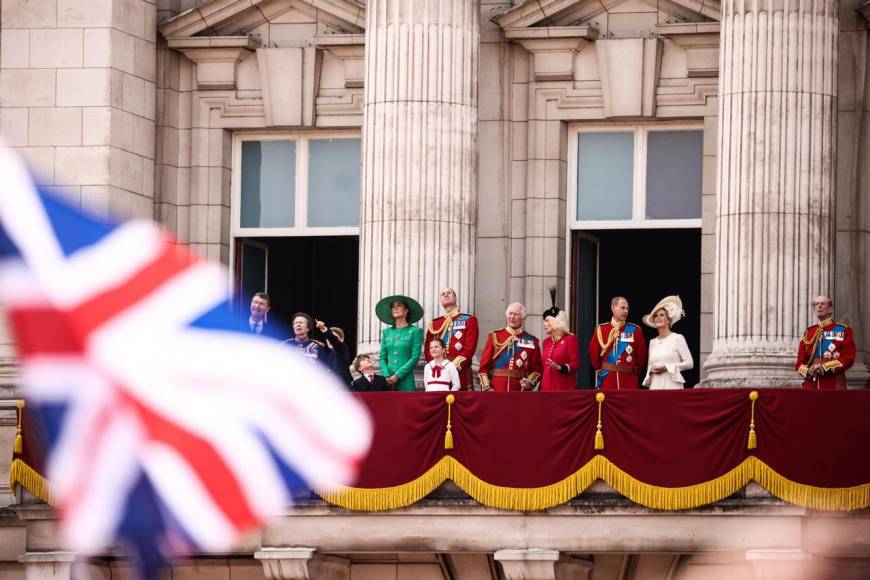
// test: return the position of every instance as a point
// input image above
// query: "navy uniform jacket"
(362, 384)
(310, 350)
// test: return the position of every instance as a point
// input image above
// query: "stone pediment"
(240, 17)
(569, 13)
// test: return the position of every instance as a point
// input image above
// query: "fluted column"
(417, 225)
(775, 205)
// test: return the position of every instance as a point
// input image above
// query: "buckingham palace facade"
(333, 152)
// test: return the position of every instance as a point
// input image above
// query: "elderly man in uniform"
(458, 331)
(511, 359)
(826, 350)
(617, 350)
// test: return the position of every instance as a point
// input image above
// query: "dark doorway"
(644, 266)
(317, 275)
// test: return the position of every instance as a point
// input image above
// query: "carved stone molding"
(629, 69)
(301, 564)
(541, 564)
(48, 565)
(554, 48)
(217, 58)
(779, 564)
(701, 43)
(289, 81)
(351, 49)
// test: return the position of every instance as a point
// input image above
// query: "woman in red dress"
(560, 351)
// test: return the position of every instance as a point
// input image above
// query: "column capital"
(789, 564)
(300, 563)
(56, 565)
(541, 564)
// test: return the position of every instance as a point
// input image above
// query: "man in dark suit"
(258, 322)
(368, 381)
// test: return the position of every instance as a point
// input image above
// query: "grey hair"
(519, 306)
(615, 300)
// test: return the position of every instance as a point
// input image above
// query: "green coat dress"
(400, 351)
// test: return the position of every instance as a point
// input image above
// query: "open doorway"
(317, 275)
(644, 265)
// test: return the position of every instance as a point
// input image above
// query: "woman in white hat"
(668, 353)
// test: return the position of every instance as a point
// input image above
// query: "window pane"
(605, 176)
(674, 164)
(268, 184)
(333, 182)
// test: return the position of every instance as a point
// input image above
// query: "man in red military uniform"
(618, 350)
(511, 359)
(826, 350)
(459, 332)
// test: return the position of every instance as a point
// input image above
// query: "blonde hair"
(559, 322)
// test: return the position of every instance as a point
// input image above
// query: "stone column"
(776, 160)
(417, 224)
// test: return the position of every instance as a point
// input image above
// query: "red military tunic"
(618, 354)
(459, 331)
(830, 345)
(564, 351)
(509, 356)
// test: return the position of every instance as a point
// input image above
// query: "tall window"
(297, 185)
(636, 177)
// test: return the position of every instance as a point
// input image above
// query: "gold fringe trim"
(27, 477)
(599, 467)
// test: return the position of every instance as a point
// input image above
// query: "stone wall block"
(27, 88)
(15, 48)
(84, 87)
(28, 14)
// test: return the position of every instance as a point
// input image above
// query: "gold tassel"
(18, 446)
(753, 441)
(448, 437)
(599, 436)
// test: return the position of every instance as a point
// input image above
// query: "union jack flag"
(169, 428)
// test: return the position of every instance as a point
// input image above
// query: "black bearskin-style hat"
(553, 310)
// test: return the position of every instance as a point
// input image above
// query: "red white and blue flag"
(169, 427)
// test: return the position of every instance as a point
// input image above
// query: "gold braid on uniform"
(500, 346)
(614, 334)
(446, 325)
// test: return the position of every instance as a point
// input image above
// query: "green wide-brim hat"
(384, 309)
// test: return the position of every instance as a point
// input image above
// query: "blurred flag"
(170, 429)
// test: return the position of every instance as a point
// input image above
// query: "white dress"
(672, 352)
(447, 379)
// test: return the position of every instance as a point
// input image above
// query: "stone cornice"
(218, 13)
(216, 57)
(534, 13)
(553, 47)
(350, 48)
(700, 40)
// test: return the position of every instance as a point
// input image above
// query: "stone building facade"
(336, 151)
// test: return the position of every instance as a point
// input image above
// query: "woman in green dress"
(401, 341)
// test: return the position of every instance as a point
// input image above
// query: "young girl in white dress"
(668, 353)
(439, 374)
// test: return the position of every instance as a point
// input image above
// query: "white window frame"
(638, 202)
(300, 211)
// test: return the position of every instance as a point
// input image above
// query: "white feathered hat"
(672, 305)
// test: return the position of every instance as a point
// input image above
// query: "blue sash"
(616, 352)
